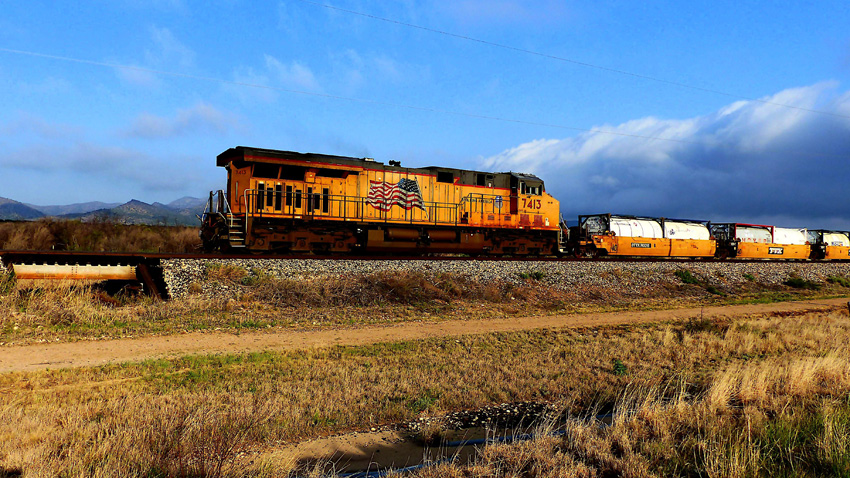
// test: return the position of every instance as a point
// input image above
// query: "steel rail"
(16, 256)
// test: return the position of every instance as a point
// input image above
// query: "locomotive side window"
(260, 199)
(316, 201)
(326, 200)
(269, 196)
(309, 199)
(480, 179)
(297, 199)
(278, 193)
(289, 196)
(445, 177)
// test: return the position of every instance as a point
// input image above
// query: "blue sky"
(298, 75)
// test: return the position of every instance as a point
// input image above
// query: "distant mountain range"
(10, 209)
(179, 212)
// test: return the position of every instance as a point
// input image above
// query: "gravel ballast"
(179, 274)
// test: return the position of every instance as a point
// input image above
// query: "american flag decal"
(405, 193)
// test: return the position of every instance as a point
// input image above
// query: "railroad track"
(143, 268)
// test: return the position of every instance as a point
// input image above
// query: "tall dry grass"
(656, 433)
(39, 311)
(100, 236)
(165, 436)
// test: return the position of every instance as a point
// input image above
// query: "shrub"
(800, 283)
(749, 277)
(686, 277)
(715, 326)
(226, 272)
(536, 275)
(713, 290)
(842, 281)
(618, 367)
(195, 288)
(7, 282)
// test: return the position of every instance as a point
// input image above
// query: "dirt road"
(93, 353)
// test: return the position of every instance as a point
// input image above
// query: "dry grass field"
(764, 395)
(750, 396)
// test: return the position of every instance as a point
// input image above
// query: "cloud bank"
(750, 161)
(59, 163)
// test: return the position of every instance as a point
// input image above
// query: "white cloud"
(168, 50)
(749, 159)
(261, 83)
(107, 163)
(26, 126)
(200, 118)
(165, 53)
(138, 76)
(292, 75)
(259, 89)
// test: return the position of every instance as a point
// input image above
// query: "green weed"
(842, 281)
(800, 283)
(686, 277)
(618, 367)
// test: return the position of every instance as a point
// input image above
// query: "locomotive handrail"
(338, 207)
(298, 204)
(224, 201)
(218, 204)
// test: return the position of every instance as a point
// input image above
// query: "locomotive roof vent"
(371, 160)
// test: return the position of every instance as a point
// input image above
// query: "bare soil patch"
(100, 352)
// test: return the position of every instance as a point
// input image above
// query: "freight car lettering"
(642, 245)
(777, 251)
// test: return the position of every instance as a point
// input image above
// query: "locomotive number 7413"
(531, 203)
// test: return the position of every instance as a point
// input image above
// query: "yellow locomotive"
(283, 201)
